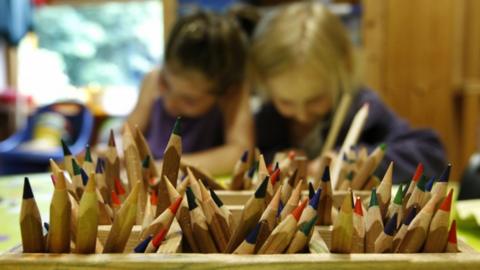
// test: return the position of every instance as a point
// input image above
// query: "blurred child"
(303, 59)
(203, 80)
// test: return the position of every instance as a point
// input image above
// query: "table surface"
(11, 188)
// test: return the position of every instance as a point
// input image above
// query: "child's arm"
(238, 135)
(148, 93)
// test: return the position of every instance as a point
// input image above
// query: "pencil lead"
(177, 129)
(244, 156)
(315, 199)
(307, 227)
(76, 167)
(251, 172)
(215, 198)
(429, 184)
(46, 226)
(262, 189)
(311, 190)
(399, 196)
(99, 167)
(27, 189)
(297, 212)
(88, 155)
(274, 177)
(410, 216)
(358, 207)
(111, 139)
(252, 236)
(452, 234)
(326, 174)
(158, 239)
(146, 162)
(383, 147)
(175, 205)
(421, 183)
(447, 202)
(119, 187)
(350, 176)
(446, 174)
(66, 150)
(84, 177)
(115, 199)
(373, 198)
(280, 208)
(191, 199)
(418, 172)
(391, 225)
(142, 246)
(153, 197)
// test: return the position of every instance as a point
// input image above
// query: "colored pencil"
(343, 228)
(30, 222)
(88, 219)
(156, 241)
(416, 198)
(384, 242)
(60, 211)
(396, 206)
(368, 167)
(384, 191)
(452, 246)
(358, 237)
(288, 186)
(374, 223)
(301, 237)
(200, 230)
(112, 163)
(326, 199)
(239, 171)
(402, 231)
(87, 164)
(438, 232)
(248, 245)
(164, 220)
(268, 221)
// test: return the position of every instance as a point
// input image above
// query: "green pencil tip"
(373, 198)
(307, 227)
(76, 168)
(421, 184)
(88, 155)
(262, 189)
(399, 195)
(177, 129)
(66, 151)
(383, 146)
(146, 162)
(350, 176)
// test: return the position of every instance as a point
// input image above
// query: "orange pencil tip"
(115, 199)
(452, 234)
(157, 240)
(153, 197)
(274, 177)
(174, 206)
(447, 202)
(299, 210)
(119, 187)
(358, 206)
(418, 172)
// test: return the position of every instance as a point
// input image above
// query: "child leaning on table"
(302, 57)
(203, 80)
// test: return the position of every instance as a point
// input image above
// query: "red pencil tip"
(291, 155)
(157, 240)
(174, 206)
(153, 197)
(418, 172)
(115, 199)
(297, 212)
(358, 206)
(452, 234)
(274, 177)
(119, 187)
(447, 202)
(54, 180)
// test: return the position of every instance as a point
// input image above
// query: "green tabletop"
(10, 201)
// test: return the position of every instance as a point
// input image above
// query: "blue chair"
(15, 160)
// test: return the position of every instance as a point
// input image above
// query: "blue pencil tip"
(252, 236)
(391, 225)
(84, 177)
(99, 168)
(446, 174)
(280, 208)
(27, 189)
(326, 174)
(315, 199)
(410, 216)
(429, 184)
(140, 248)
(244, 156)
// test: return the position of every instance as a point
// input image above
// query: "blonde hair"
(304, 35)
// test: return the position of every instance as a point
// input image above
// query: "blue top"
(405, 146)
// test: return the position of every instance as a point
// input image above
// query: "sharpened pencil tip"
(315, 199)
(398, 200)
(446, 174)
(66, 151)
(326, 174)
(410, 216)
(215, 198)
(429, 184)
(177, 129)
(191, 199)
(84, 177)
(252, 236)
(142, 246)
(307, 227)
(111, 139)
(373, 198)
(391, 225)
(418, 172)
(99, 168)
(88, 154)
(447, 202)
(244, 156)
(146, 162)
(311, 190)
(452, 234)
(262, 189)
(421, 184)
(297, 212)
(27, 189)
(76, 167)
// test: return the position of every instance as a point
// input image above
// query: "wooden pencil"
(120, 190)
(185, 222)
(30, 222)
(112, 163)
(384, 242)
(384, 191)
(172, 154)
(145, 151)
(373, 222)
(101, 183)
(225, 212)
(358, 236)
(452, 246)
(262, 170)
(416, 198)
(285, 165)
(350, 139)
(142, 246)
(150, 212)
(438, 232)
(396, 206)
(416, 177)
(418, 229)
(428, 189)
(292, 202)
(56, 171)
(238, 172)
(248, 245)
(173, 240)
(440, 187)
(317, 243)
(194, 185)
(343, 228)
(164, 220)
(368, 167)
(200, 230)
(67, 158)
(249, 218)
(402, 231)
(60, 211)
(156, 241)
(311, 210)
(133, 163)
(77, 180)
(87, 221)
(282, 235)
(268, 221)
(272, 185)
(301, 237)
(205, 176)
(123, 223)
(288, 186)
(326, 199)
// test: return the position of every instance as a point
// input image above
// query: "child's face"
(300, 95)
(187, 93)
